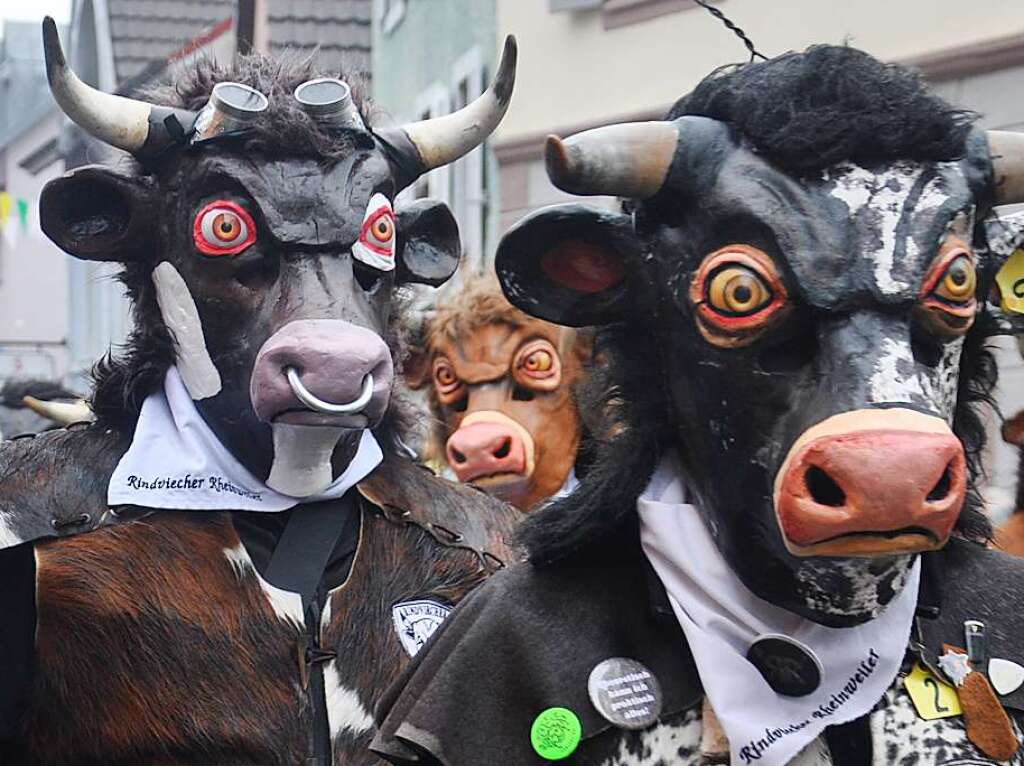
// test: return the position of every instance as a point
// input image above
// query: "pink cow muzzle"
(322, 372)
(871, 483)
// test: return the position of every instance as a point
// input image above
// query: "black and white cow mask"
(809, 330)
(273, 272)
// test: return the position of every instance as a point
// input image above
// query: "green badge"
(555, 733)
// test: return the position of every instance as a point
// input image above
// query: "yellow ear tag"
(1011, 283)
(931, 697)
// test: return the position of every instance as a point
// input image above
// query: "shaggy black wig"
(807, 111)
(122, 382)
(804, 111)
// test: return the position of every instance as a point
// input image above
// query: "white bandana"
(175, 461)
(721, 618)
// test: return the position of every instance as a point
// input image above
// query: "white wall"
(33, 272)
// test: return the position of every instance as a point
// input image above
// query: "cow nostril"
(459, 457)
(823, 488)
(941, 489)
(503, 450)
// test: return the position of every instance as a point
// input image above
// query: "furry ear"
(428, 243)
(568, 264)
(98, 213)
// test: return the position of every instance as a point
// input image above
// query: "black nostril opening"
(459, 457)
(504, 449)
(823, 488)
(941, 489)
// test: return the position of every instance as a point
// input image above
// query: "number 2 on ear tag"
(931, 697)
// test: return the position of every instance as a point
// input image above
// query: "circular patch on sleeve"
(625, 693)
(555, 733)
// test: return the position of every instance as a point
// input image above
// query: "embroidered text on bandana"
(175, 461)
(721, 618)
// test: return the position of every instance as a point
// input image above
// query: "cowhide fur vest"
(158, 642)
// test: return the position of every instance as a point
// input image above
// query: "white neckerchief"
(176, 461)
(721, 618)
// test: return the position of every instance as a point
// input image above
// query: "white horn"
(134, 126)
(64, 413)
(441, 140)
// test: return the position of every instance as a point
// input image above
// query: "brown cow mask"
(501, 389)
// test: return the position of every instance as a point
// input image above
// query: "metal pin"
(974, 633)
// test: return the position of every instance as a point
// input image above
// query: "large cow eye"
(738, 291)
(223, 228)
(738, 295)
(948, 302)
(537, 365)
(446, 380)
(376, 244)
(959, 281)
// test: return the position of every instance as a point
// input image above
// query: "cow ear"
(97, 213)
(428, 243)
(568, 264)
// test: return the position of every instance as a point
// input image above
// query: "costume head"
(801, 287)
(500, 385)
(262, 248)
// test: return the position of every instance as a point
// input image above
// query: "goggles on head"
(234, 107)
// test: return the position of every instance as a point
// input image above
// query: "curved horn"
(441, 140)
(63, 413)
(630, 159)
(134, 126)
(1006, 150)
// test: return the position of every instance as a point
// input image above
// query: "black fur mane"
(805, 111)
(122, 381)
(809, 110)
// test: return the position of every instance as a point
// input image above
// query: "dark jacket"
(159, 640)
(528, 639)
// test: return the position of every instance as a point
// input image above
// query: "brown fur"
(154, 648)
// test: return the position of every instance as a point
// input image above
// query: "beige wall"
(574, 72)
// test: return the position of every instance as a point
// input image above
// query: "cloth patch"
(175, 461)
(416, 621)
(721, 618)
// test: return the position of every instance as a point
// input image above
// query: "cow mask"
(268, 253)
(808, 323)
(500, 386)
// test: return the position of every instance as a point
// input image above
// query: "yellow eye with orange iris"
(446, 376)
(959, 282)
(538, 361)
(738, 291)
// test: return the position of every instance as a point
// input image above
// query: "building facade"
(33, 273)
(429, 59)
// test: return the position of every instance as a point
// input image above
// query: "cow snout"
(490, 445)
(322, 372)
(871, 483)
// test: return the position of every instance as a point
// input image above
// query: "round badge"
(555, 733)
(788, 666)
(625, 693)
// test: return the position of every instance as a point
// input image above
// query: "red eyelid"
(941, 265)
(364, 231)
(228, 206)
